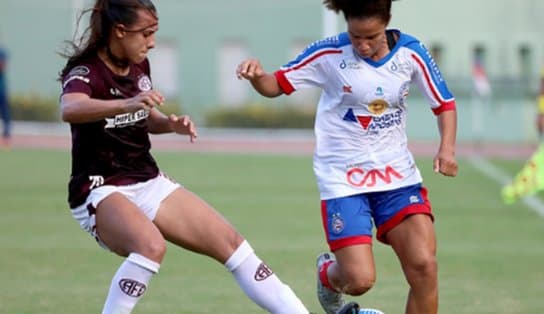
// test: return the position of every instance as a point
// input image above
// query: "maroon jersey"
(115, 150)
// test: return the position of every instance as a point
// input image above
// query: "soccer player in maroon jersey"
(117, 192)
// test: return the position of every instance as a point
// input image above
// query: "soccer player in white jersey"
(365, 173)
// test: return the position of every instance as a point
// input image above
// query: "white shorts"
(146, 195)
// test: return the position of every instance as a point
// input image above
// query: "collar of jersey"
(383, 60)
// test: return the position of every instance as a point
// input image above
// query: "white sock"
(129, 284)
(261, 284)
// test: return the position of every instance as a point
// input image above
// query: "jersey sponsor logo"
(75, 77)
(352, 65)
(126, 119)
(263, 272)
(378, 106)
(378, 121)
(79, 70)
(414, 199)
(96, 181)
(432, 64)
(399, 66)
(364, 121)
(116, 92)
(386, 121)
(394, 67)
(359, 177)
(132, 287)
(337, 223)
(347, 89)
(144, 83)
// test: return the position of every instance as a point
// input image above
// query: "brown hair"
(105, 14)
(361, 8)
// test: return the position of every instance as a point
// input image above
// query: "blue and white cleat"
(370, 311)
(353, 308)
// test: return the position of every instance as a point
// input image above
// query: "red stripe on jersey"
(448, 105)
(284, 83)
(312, 58)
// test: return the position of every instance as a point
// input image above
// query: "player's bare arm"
(264, 83)
(80, 108)
(444, 161)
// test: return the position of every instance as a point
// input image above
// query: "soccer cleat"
(370, 311)
(331, 301)
(349, 308)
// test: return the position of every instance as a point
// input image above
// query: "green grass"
(490, 255)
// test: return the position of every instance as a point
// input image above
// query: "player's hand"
(445, 163)
(250, 69)
(144, 100)
(183, 125)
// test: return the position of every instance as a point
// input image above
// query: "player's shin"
(260, 283)
(129, 284)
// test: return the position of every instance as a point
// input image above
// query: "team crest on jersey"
(144, 83)
(337, 223)
(404, 90)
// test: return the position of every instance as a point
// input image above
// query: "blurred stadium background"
(201, 42)
(490, 253)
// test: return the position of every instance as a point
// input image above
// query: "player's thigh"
(188, 221)
(125, 229)
(414, 240)
(356, 262)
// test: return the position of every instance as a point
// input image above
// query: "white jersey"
(360, 127)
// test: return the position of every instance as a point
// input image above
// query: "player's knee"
(422, 269)
(154, 249)
(359, 285)
(233, 239)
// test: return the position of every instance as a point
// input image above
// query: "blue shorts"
(349, 220)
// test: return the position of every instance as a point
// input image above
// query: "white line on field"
(492, 172)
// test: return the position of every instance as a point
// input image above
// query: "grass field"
(491, 256)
